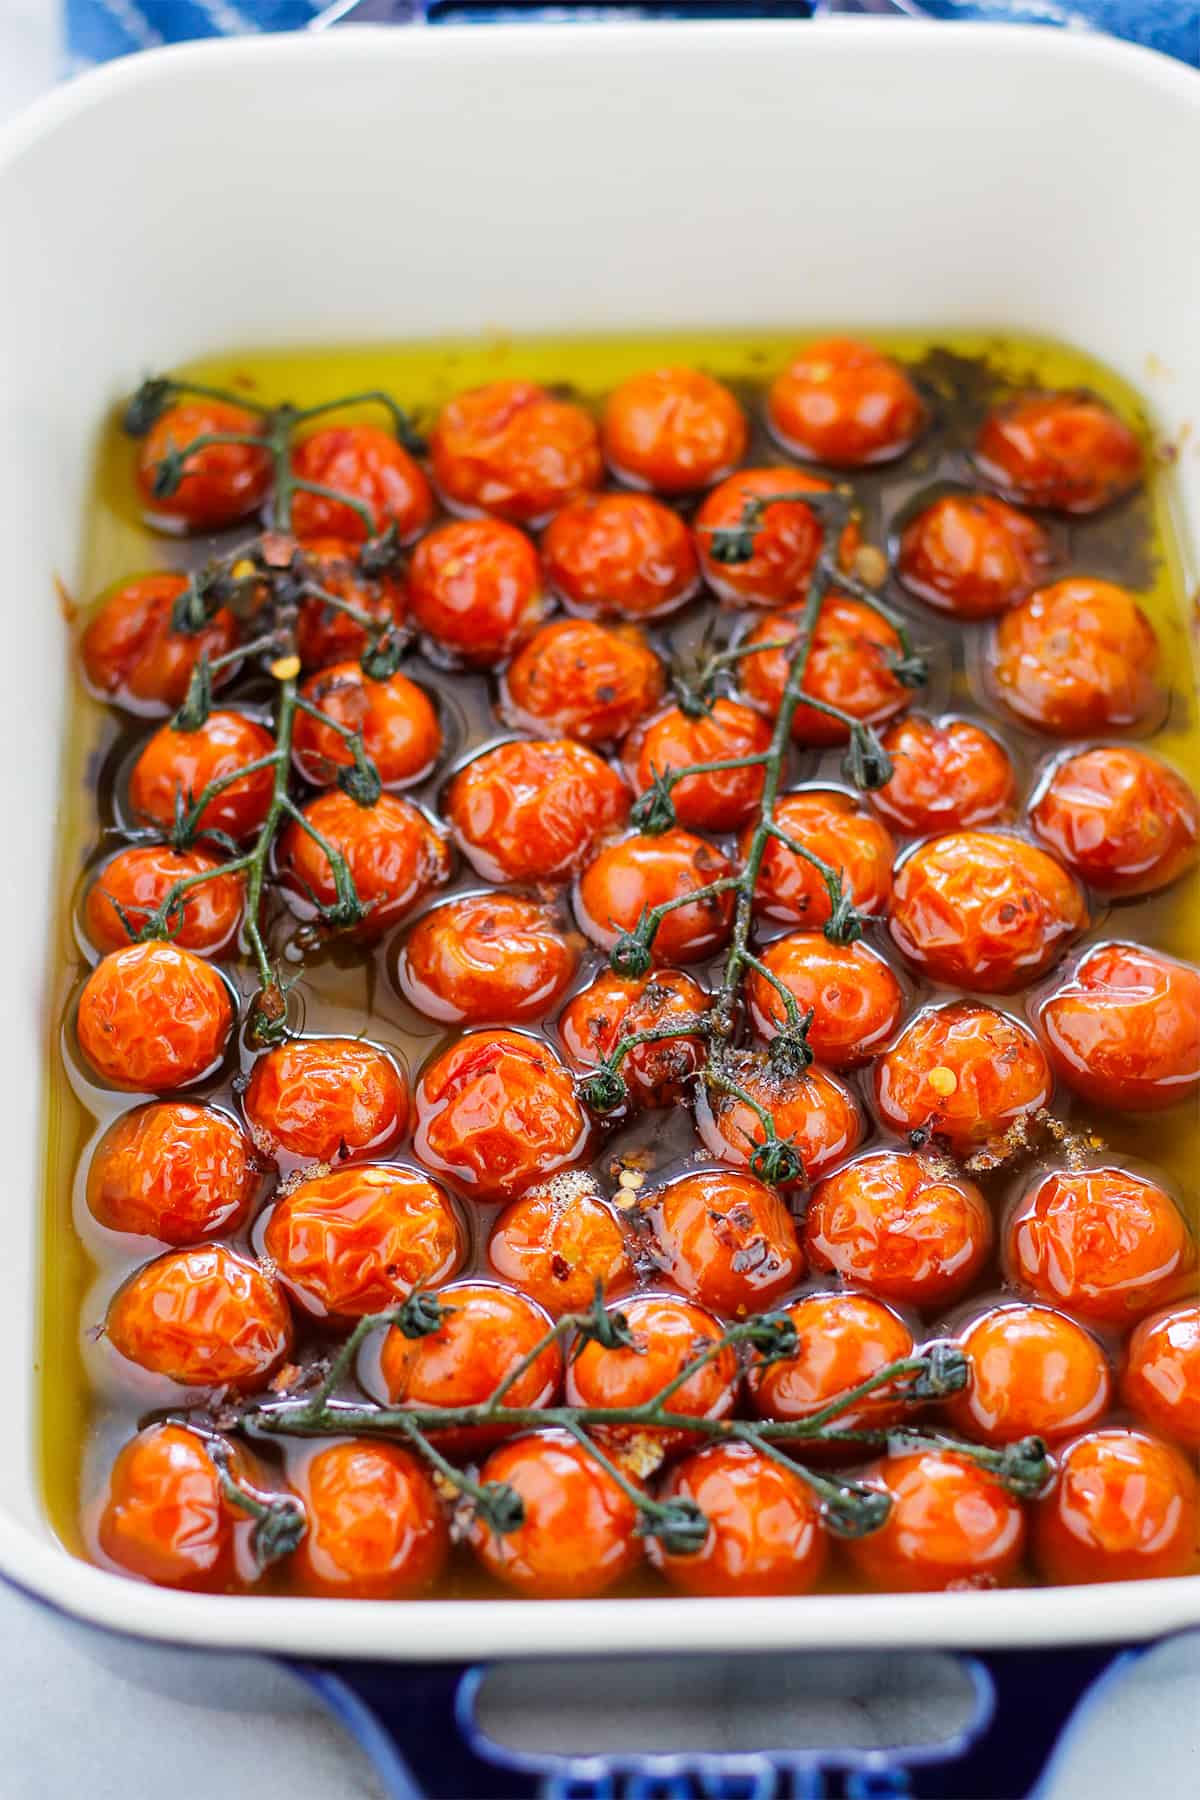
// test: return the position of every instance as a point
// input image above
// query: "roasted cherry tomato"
(899, 1228)
(557, 1242)
(577, 679)
(203, 1317)
(983, 910)
(163, 1515)
(1160, 1381)
(853, 996)
(326, 1100)
(658, 1073)
(137, 881)
(843, 403)
(579, 1532)
(814, 1112)
(721, 800)
(497, 1112)
(534, 812)
(512, 449)
(966, 1073)
(972, 556)
(395, 856)
(764, 1525)
(840, 831)
(1034, 1372)
(639, 873)
(475, 587)
(1122, 820)
(1077, 659)
(1066, 451)
(623, 556)
(1103, 1243)
(1125, 1507)
(173, 1171)
(787, 540)
(948, 775)
(326, 635)
(175, 767)
(668, 1333)
(850, 665)
(1123, 1029)
(487, 957)
(376, 1529)
(154, 1017)
(672, 429)
(396, 719)
(132, 655)
(362, 1238)
(365, 463)
(952, 1525)
(220, 483)
(726, 1240)
(843, 1340)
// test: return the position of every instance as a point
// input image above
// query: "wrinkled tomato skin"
(556, 1242)
(203, 1317)
(577, 679)
(900, 1230)
(475, 588)
(534, 811)
(139, 879)
(397, 720)
(326, 1100)
(1076, 660)
(221, 483)
(487, 957)
(1064, 451)
(814, 1111)
(497, 1112)
(395, 856)
(854, 997)
(612, 1008)
(513, 450)
(720, 801)
(621, 556)
(984, 911)
(1123, 1029)
(323, 634)
(367, 464)
(163, 1517)
(727, 1241)
(972, 556)
(1125, 1507)
(152, 1017)
(1104, 1244)
(1121, 820)
(843, 403)
(579, 1535)
(848, 666)
(949, 775)
(353, 1241)
(668, 1333)
(177, 766)
(952, 1525)
(643, 871)
(1160, 1380)
(966, 1073)
(376, 1529)
(843, 1339)
(131, 655)
(765, 1532)
(787, 541)
(173, 1171)
(1034, 1372)
(835, 827)
(673, 430)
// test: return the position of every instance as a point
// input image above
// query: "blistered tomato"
(672, 429)
(852, 994)
(132, 654)
(376, 1529)
(813, 1112)
(220, 483)
(1123, 821)
(641, 873)
(1034, 1372)
(175, 767)
(971, 555)
(1125, 1506)
(395, 856)
(717, 801)
(131, 888)
(512, 449)
(850, 665)
(947, 775)
(726, 1240)
(328, 1100)
(838, 830)
(1160, 1380)
(658, 1073)
(966, 1073)
(577, 679)
(365, 463)
(788, 538)
(557, 1241)
(475, 587)
(163, 1516)
(842, 1341)
(667, 1334)
(324, 634)
(764, 1525)
(486, 957)
(173, 1171)
(153, 1017)
(579, 1533)
(1076, 659)
(396, 720)
(1123, 1029)
(624, 556)
(534, 812)
(844, 403)
(952, 1525)
(203, 1317)
(899, 1228)
(1067, 451)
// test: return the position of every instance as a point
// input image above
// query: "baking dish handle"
(419, 1725)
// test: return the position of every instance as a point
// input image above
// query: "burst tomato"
(717, 801)
(221, 483)
(163, 1516)
(1034, 1372)
(137, 881)
(512, 449)
(1066, 451)
(487, 957)
(639, 873)
(1123, 1029)
(672, 429)
(658, 1073)
(899, 1228)
(173, 1171)
(850, 665)
(534, 812)
(668, 1333)
(396, 719)
(726, 1240)
(396, 858)
(365, 463)
(971, 555)
(948, 775)
(475, 587)
(624, 556)
(1123, 821)
(855, 1000)
(966, 1073)
(838, 830)
(577, 679)
(764, 1525)
(326, 635)
(814, 1112)
(203, 1317)
(1160, 1380)
(556, 1242)
(175, 767)
(153, 1017)
(131, 653)
(787, 540)
(326, 1100)
(1077, 659)
(376, 1529)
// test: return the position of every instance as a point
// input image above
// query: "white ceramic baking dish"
(377, 184)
